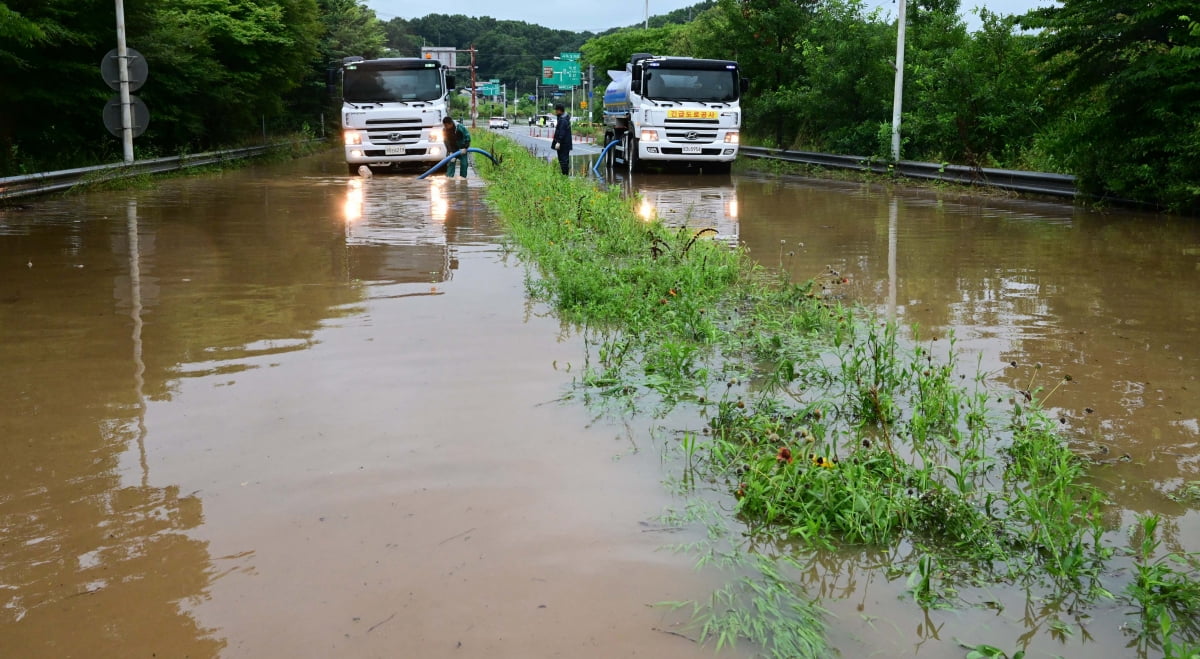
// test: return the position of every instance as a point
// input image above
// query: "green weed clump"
(822, 424)
(1167, 589)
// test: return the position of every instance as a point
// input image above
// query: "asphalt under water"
(282, 412)
(279, 412)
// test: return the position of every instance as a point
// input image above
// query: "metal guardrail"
(1057, 185)
(27, 185)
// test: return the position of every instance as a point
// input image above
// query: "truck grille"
(692, 136)
(393, 131)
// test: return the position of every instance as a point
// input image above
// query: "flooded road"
(278, 412)
(1032, 292)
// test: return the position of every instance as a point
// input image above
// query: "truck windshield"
(692, 85)
(362, 86)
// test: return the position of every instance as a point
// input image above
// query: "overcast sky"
(600, 15)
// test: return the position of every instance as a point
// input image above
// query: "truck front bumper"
(673, 151)
(378, 154)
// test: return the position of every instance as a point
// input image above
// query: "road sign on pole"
(563, 73)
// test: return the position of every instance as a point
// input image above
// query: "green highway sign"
(489, 89)
(570, 56)
(564, 73)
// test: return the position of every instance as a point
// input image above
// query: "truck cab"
(674, 109)
(392, 111)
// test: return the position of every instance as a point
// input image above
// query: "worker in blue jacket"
(562, 138)
(458, 138)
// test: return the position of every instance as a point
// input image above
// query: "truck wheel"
(610, 158)
(352, 169)
(631, 148)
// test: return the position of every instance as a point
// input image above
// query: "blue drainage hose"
(601, 158)
(454, 155)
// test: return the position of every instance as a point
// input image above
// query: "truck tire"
(610, 158)
(630, 148)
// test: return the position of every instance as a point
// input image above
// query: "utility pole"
(474, 111)
(898, 92)
(123, 68)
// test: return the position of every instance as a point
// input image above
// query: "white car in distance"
(497, 122)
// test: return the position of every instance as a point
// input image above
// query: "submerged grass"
(824, 427)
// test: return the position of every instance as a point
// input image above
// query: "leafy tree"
(1128, 89)
(978, 102)
(225, 65)
(846, 93)
(401, 39)
(19, 31)
(761, 36)
(612, 51)
(349, 28)
(53, 93)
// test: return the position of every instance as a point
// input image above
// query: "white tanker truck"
(392, 111)
(674, 110)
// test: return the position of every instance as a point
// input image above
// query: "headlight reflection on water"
(646, 210)
(352, 208)
(439, 207)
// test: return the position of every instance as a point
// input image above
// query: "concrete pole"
(474, 90)
(898, 92)
(123, 69)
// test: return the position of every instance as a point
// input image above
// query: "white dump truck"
(674, 110)
(392, 111)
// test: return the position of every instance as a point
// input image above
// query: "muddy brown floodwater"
(279, 412)
(1110, 298)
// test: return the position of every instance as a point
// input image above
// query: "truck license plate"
(691, 149)
(393, 150)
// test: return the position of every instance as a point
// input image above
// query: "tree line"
(1101, 89)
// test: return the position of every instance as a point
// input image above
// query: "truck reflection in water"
(398, 229)
(695, 202)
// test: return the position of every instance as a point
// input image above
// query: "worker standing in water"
(562, 138)
(457, 138)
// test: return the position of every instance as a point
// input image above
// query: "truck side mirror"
(449, 81)
(745, 85)
(635, 86)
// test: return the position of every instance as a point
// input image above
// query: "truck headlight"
(352, 137)
(649, 135)
(435, 135)
(731, 137)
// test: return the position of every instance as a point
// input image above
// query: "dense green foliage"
(1129, 95)
(218, 71)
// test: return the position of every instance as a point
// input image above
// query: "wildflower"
(784, 455)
